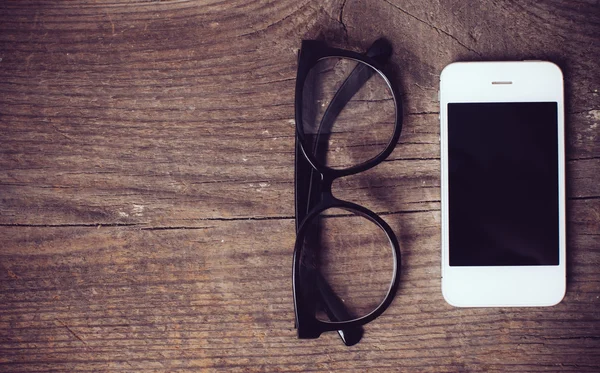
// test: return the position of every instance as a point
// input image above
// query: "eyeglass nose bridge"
(326, 187)
(325, 190)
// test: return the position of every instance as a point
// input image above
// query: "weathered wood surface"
(146, 183)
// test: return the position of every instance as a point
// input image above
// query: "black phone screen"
(503, 184)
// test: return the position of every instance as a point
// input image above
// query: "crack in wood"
(69, 225)
(424, 113)
(400, 212)
(341, 18)
(435, 28)
(165, 228)
(412, 159)
(586, 198)
(73, 333)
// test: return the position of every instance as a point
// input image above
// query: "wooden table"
(146, 184)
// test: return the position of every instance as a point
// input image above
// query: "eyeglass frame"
(307, 324)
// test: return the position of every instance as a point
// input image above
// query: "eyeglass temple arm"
(336, 311)
(332, 305)
(306, 187)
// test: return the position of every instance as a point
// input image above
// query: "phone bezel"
(502, 286)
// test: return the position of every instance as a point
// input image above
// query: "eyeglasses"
(346, 257)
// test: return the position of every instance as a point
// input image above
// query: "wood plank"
(98, 298)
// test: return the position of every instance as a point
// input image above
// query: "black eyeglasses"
(346, 258)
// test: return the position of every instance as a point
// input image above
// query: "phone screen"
(503, 184)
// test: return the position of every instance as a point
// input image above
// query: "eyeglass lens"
(348, 112)
(347, 256)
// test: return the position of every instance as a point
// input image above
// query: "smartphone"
(503, 184)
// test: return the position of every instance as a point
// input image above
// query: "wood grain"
(146, 184)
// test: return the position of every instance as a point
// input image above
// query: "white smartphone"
(503, 184)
